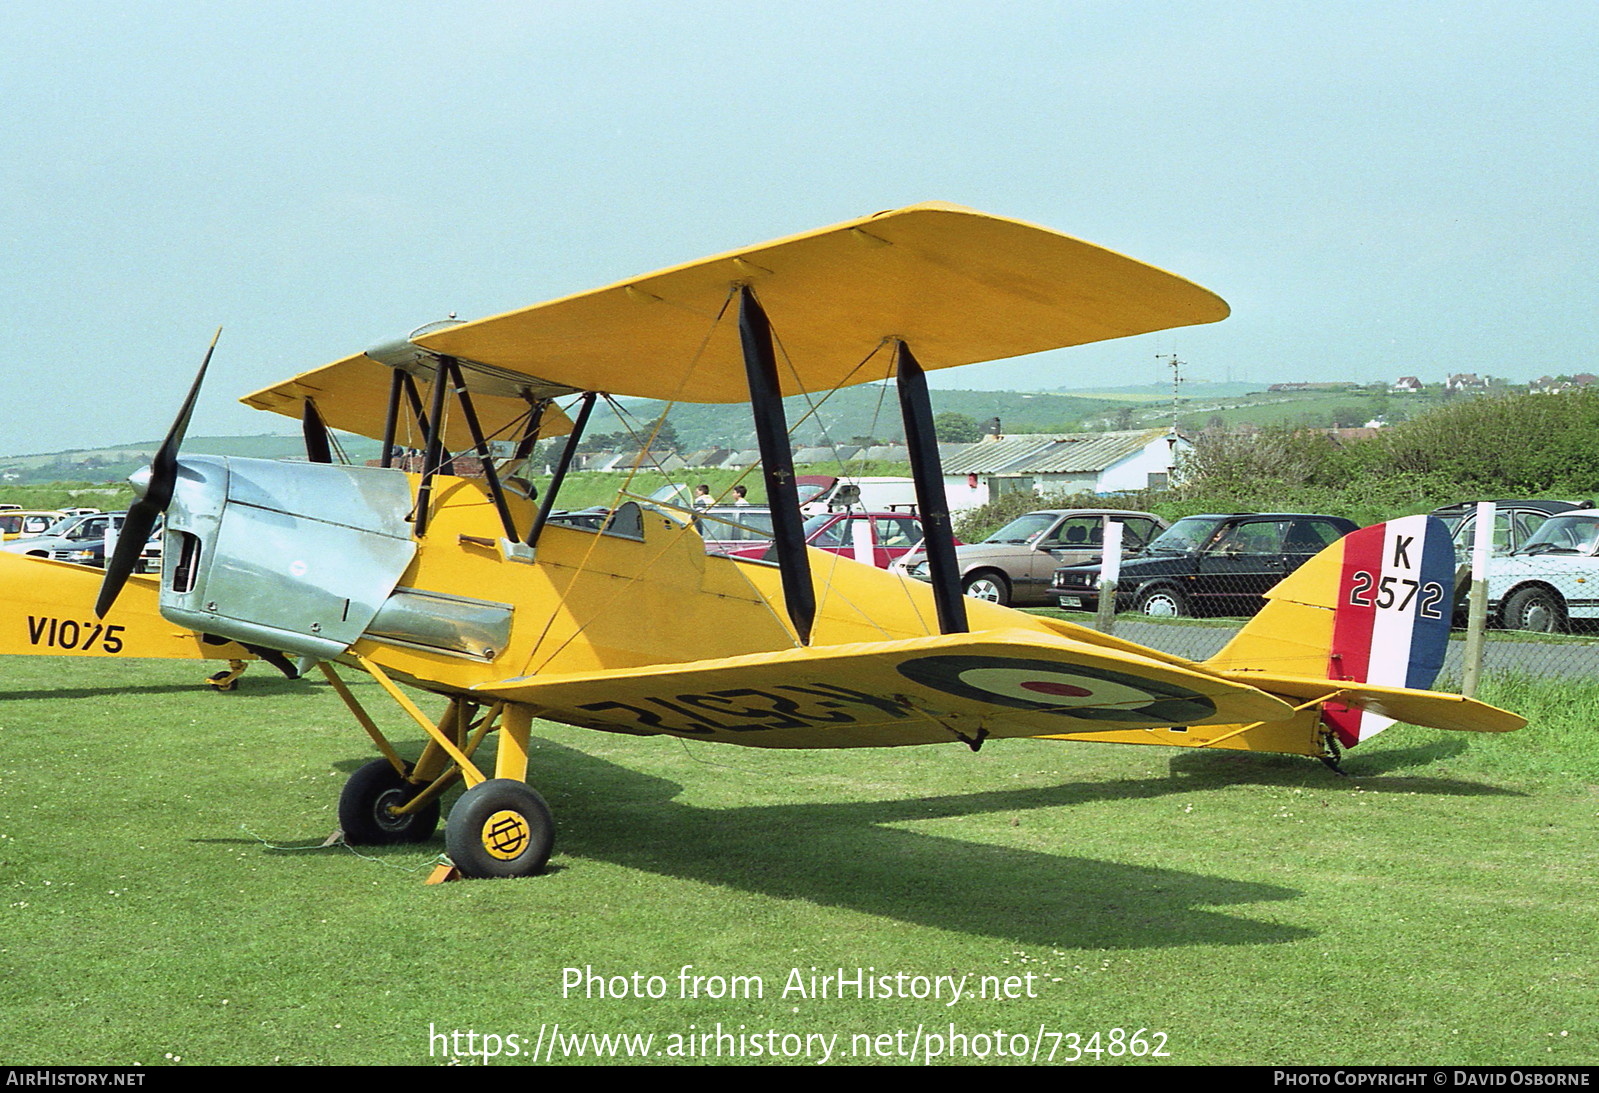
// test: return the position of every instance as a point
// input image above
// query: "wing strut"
(567, 453)
(777, 463)
(928, 473)
(530, 433)
(433, 450)
(318, 449)
(468, 411)
(416, 403)
(391, 417)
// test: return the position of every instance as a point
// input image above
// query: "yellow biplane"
(465, 586)
(49, 605)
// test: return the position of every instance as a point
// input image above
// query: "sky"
(1377, 189)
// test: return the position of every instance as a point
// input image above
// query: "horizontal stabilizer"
(1433, 709)
(1004, 683)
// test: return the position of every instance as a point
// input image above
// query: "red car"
(875, 538)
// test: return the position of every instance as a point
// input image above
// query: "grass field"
(165, 897)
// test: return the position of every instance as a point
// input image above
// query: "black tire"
(987, 584)
(220, 682)
(1163, 602)
(364, 808)
(500, 828)
(1538, 610)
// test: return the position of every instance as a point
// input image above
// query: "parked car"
(1217, 564)
(1552, 579)
(820, 493)
(19, 523)
(1515, 521)
(67, 533)
(1014, 565)
(872, 538)
(727, 528)
(93, 554)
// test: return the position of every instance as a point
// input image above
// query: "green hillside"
(115, 464)
(869, 410)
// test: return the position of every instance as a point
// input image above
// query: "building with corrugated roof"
(1062, 463)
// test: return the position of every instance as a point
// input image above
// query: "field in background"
(165, 897)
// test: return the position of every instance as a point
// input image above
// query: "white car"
(1551, 579)
(68, 533)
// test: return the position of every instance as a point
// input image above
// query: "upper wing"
(353, 395)
(957, 285)
(999, 683)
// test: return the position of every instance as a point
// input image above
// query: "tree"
(952, 427)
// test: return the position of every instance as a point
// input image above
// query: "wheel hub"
(506, 834)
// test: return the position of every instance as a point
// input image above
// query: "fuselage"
(318, 560)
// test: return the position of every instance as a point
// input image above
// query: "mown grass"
(163, 896)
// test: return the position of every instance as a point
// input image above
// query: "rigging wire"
(626, 584)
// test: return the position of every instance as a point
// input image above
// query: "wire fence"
(1504, 652)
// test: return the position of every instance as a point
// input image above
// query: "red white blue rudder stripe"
(1391, 622)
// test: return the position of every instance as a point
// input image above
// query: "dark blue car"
(1216, 564)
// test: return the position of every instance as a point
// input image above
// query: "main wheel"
(1164, 603)
(364, 805)
(1537, 609)
(500, 828)
(989, 586)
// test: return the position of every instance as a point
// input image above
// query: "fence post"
(1477, 601)
(1110, 575)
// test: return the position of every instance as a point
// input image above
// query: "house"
(1062, 462)
(707, 457)
(639, 459)
(1406, 385)
(824, 454)
(1550, 385)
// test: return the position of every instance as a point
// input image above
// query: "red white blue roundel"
(1074, 690)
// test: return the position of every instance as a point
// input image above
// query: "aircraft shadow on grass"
(1373, 772)
(845, 855)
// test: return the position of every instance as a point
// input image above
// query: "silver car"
(1015, 564)
(68, 533)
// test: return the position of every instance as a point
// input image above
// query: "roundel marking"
(1045, 687)
(1070, 690)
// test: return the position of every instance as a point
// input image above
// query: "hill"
(868, 410)
(116, 463)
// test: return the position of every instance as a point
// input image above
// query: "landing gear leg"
(228, 680)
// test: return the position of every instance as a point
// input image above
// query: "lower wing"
(966, 687)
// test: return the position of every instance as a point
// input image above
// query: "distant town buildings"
(1551, 385)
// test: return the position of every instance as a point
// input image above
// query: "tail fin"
(1373, 608)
